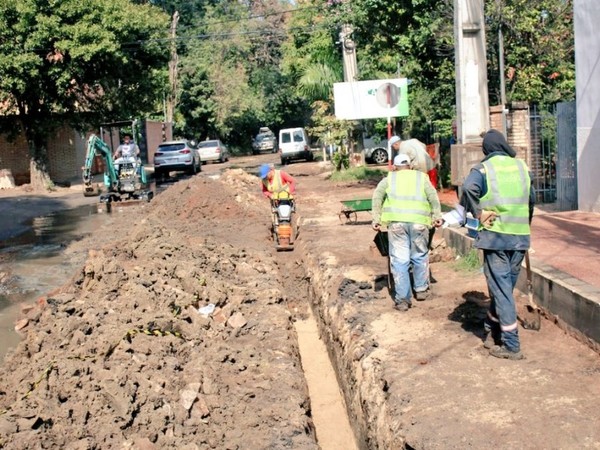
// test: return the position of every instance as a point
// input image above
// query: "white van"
(294, 144)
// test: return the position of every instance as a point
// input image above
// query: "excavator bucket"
(91, 190)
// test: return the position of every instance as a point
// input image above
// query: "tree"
(539, 49)
(78, 63)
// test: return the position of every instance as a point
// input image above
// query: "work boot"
(402, 306)
(422, 295)
(504, 353)
(491, 340)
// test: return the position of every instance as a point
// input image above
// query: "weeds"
(469, 262)
(358, 173)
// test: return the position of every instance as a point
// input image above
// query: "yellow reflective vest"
(279, 190)
(406, 200)
(508, 188)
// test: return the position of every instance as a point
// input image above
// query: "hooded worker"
(499, 193)
(408, 204)
(276, 184)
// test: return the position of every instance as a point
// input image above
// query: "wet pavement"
(34, 262)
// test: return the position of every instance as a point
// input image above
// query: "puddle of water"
(37, 264)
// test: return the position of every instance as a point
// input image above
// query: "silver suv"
(181, 155)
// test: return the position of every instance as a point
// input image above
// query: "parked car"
(264, 142)
(376, 150)
(181, 155)
(213, 150)
(294, 144)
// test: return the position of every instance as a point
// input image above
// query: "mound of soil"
(122, 356)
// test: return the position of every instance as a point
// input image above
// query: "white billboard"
(372, 99)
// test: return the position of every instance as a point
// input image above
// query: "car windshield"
(171, 147)
(263, 137)
(208, 144)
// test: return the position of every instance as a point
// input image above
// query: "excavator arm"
(96, 146)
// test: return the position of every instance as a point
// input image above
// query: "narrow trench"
(328, 408)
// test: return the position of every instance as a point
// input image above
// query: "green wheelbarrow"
(350, 208)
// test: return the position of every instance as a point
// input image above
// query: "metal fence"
(554, 154)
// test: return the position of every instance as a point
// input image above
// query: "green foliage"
(341, 160)
(538, 49)
(80, 62)
(360, 173)
(470, 262)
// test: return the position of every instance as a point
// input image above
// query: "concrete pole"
(348, 53)
(472, 100)
(172, 97)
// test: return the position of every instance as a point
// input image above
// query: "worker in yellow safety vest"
(276, 184)
(498, 193)
(407, 203)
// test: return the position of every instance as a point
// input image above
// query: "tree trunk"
(40, 179)
(38, 157)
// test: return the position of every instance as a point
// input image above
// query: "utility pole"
(348, 53)
(172, 96)
(472, 104)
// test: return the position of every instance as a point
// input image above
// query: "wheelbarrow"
(350, 208)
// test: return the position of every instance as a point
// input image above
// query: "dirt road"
(120, 357)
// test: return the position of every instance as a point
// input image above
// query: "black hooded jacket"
(475, 187)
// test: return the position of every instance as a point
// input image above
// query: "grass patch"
(358, 174)
(469, 262)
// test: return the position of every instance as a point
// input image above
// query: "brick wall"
(517, 124)
(463, 157)
(66, 156)
(67, 151)
(14, 156)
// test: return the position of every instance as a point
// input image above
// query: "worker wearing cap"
(408, 204)
(276, 184)
(498, 192)
(416, 151)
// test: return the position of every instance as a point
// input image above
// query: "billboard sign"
(373, 99)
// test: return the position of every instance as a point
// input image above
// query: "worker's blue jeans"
(501, 268)
(408, 245)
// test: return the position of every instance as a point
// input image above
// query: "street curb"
(572, 304)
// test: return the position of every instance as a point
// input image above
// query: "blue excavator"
(124, 178)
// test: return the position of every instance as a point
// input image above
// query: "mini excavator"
(124, 179)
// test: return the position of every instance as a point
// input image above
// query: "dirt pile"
(121, 357)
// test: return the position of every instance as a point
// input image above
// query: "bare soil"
(121, 358)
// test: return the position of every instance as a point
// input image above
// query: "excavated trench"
(175, 334)
(328, 407)
(190, 331)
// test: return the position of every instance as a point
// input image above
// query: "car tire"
(283, 161)
(379, 156)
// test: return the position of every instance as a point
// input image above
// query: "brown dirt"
(88, 376)
(121, 357)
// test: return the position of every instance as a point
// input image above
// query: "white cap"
(394, 139)
(401, 160)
